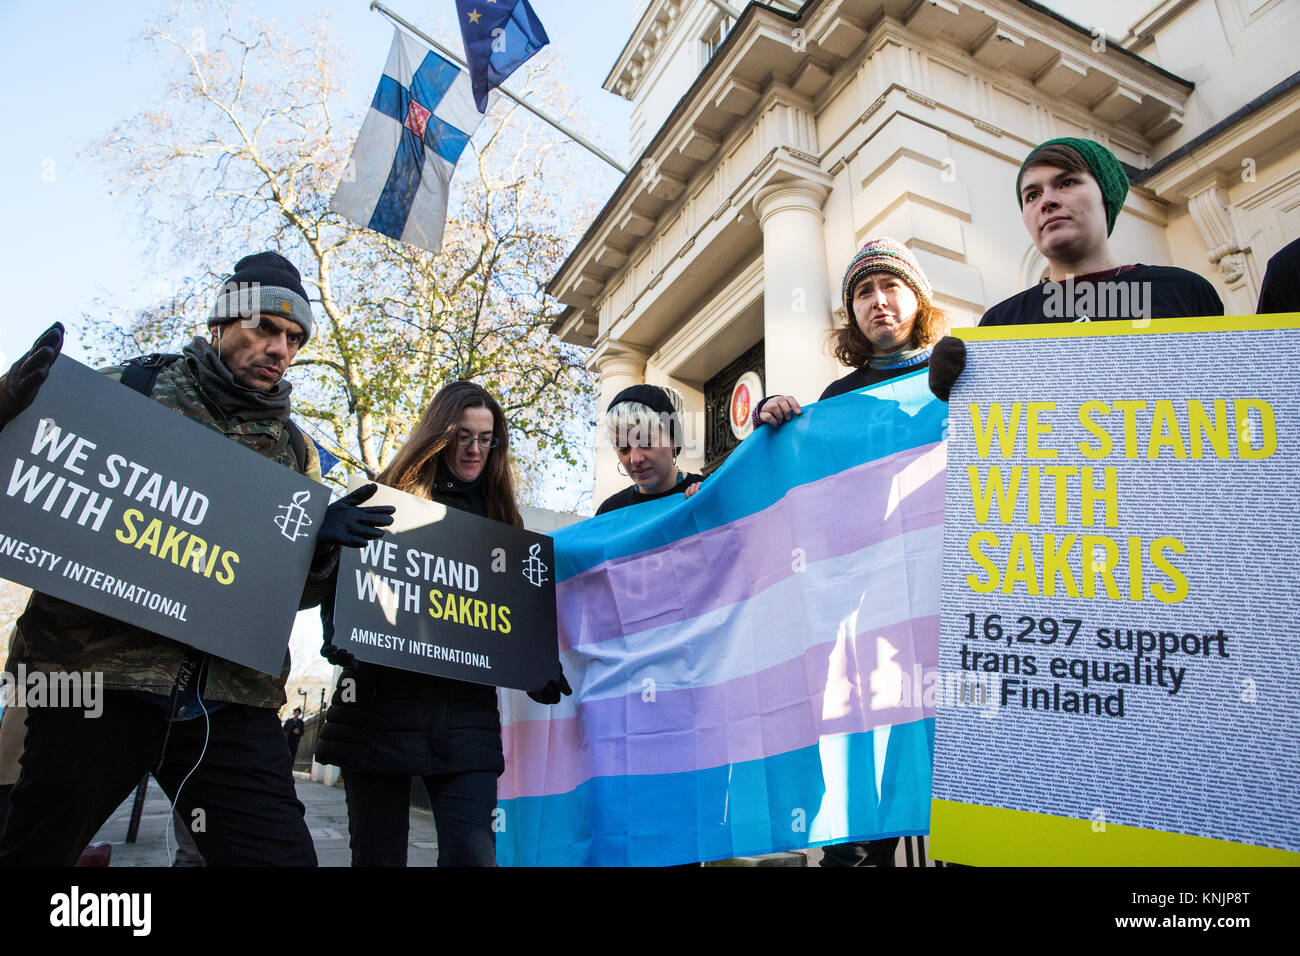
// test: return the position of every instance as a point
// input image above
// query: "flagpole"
(726, 8)
(577, 138)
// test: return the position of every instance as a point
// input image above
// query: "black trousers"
(379, 817)
(868, 853)
(77, 770)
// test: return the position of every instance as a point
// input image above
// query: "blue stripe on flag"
(895, 416)
(432, 81)
(391, 98)
(394, 100)
(394, 206)
(445, 140)
(759, 806)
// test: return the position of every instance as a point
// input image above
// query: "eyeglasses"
(464, 441)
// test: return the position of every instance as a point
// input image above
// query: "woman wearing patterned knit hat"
(1070, 193)
(891, 324)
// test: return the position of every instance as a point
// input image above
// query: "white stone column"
(617, 367)
(797, 312)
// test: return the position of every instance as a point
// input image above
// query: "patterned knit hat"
(885, 255)
(1103, 165)
(264, 282)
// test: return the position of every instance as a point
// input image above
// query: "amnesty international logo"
(295, 518)
(534, 567)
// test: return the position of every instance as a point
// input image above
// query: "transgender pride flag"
(747, 665)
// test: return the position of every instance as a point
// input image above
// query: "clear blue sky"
(71, 71)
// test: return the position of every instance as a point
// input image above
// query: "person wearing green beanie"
(1101, 163)
(1070, 192)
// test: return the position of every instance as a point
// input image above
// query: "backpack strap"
(141, 372)
(299, 444)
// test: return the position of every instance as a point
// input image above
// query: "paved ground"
(327, 818)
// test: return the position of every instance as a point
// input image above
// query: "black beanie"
(657, 400)
(264, 282)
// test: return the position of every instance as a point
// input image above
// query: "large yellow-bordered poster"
(1121, 596)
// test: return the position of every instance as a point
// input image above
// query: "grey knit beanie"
(264, 282)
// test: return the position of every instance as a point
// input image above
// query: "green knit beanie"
(1101, 162)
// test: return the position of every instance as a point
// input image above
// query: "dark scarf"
(468, 496)
(447, 479)
(232, 398)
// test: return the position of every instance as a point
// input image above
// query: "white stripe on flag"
(404, 57)
(367, 171)
(802, 611)
(457, 104)
(425, 224)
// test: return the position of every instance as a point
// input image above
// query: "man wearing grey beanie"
(259, 320)
(167, 708)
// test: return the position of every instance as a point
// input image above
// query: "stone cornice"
(648, 38)
(698, 132)
(721, 308)
(803, 61)
(1223, 154)
(1143, 33)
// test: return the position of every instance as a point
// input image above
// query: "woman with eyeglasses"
(386, 725)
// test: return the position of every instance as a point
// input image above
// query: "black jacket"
(1138, 292)
(396, 721)
(632, 495)
(1280, 291)
(866, 375)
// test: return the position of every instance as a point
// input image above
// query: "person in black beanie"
(644, 424)
(186, 716)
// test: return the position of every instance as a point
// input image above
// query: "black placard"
(120, 505)
(449, 593)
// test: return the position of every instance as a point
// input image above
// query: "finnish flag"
(419, 122)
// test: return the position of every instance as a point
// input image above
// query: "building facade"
(770, 146)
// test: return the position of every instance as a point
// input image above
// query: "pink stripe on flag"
(833, 688)
(733, 562)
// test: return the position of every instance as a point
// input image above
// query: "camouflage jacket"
(53, 635)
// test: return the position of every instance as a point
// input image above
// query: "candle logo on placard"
(295, 517)
(534, 568)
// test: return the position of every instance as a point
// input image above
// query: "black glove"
(550, 694)
(337, 655)
(25, 378)
(352, 527)
(947, 359)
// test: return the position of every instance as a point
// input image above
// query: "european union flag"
(499, 36)
(419, 122)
